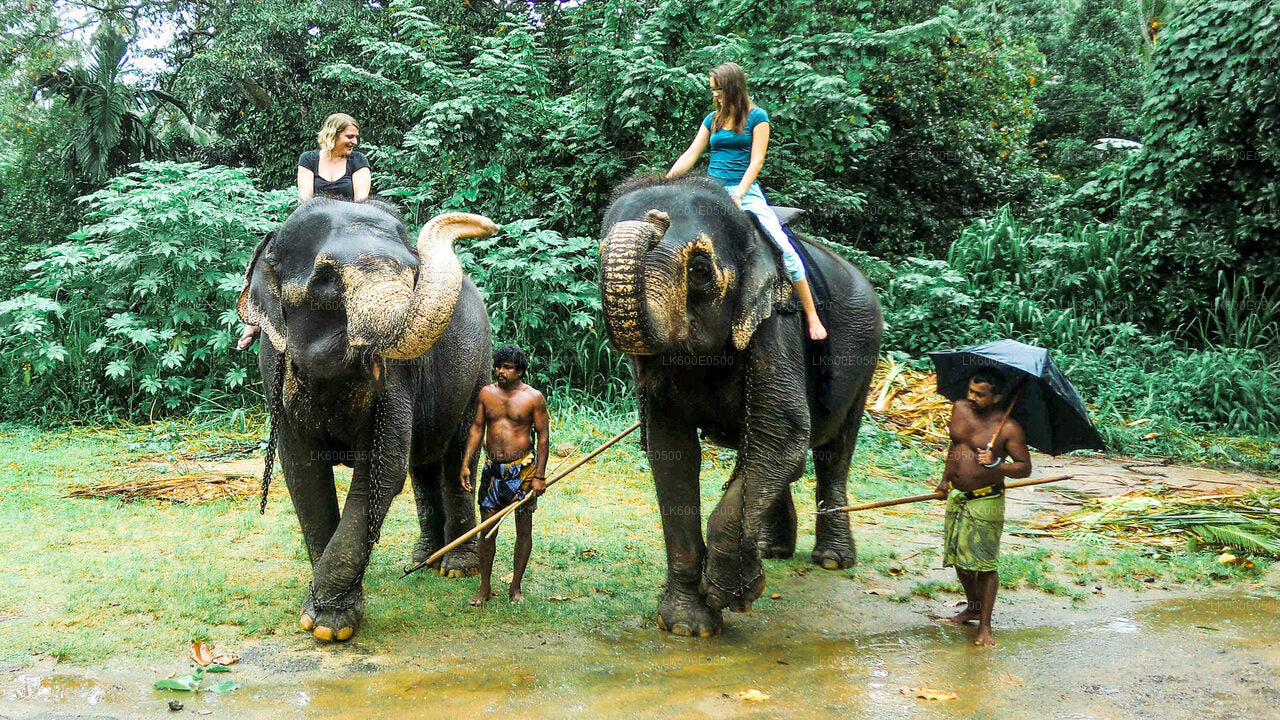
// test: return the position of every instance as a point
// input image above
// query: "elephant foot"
(834, 556)
(775, 549)
(687, 614)
(424, 549)
(333, 621)
(737, 598)
(459, 563)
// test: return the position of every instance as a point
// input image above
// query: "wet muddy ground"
(827, 647)
(1152, 655)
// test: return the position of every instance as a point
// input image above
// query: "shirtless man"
(975, 471)
(507, 413)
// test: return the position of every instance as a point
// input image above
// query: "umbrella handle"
(1012, 401)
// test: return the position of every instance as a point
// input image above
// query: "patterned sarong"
(971, 537)
(504, 483)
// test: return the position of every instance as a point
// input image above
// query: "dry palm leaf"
(189, 489)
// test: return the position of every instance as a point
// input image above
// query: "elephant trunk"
(401, 316)
(641, 290)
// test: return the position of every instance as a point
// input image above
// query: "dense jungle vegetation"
(952, 149)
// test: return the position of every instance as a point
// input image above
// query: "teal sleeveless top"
(730, 151)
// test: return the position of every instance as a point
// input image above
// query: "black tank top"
(342, 187)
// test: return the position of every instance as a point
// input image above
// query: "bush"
(134, 315)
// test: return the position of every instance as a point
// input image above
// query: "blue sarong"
(504, 483)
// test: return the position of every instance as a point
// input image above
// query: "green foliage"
(541, 293)
(111, 128)
(135, 312)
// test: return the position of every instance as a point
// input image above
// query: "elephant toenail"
(682, 630)
(830, 564)
(706, 632)
(323, 633)
(345, 633)
(306, 622)
(662, 624)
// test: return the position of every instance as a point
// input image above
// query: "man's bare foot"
(482, 597)
(817, 331)
(250, 334)
(517, 596)
(968, 613)
(984, 638)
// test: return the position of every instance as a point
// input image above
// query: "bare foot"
(517, 596)
(817, 331)
(482, 597)
(246, 339)
(984, 638)
(968, 613)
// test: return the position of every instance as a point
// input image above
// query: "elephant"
(372, 356)
(692, 293)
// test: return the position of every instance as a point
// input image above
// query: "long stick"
(481, 527)
(939, 495)
(1008, 410)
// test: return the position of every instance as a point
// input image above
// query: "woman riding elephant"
(335, 170)
(698, 298)
(738, 133)
(373, 356)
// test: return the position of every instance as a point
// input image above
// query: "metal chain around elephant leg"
(273, 437)
(742, 478)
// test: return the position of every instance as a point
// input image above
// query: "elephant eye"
(701, 272)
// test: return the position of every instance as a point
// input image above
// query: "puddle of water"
(1217, 657)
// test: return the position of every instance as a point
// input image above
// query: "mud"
(1146, 655)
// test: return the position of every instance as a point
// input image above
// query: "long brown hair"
(734, 103)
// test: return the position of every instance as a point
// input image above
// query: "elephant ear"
(758, 289)
(259, 302)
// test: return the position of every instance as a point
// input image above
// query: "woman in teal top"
(738, 133)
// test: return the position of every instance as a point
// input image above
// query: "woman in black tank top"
(336, 169)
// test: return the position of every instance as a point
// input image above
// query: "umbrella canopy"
(1048, 407)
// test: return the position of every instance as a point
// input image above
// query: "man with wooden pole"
(982, 436)
(509, 413)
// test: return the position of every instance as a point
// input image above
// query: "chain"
(277, 417)
(335, 603)
(743, 459)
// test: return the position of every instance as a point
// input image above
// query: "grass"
(89, 579)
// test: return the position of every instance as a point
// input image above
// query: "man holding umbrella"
(982, 437)
(989, 443)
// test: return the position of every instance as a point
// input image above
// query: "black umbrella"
(1047, 405)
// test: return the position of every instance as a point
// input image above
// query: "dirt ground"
(828, 646)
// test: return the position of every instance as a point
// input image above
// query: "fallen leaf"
(526, 676)
(752, 695)
(1151, 436)
(564, 598)
(896, 571)
(1227, 558)
(878, 591)
(226, 659)
(201, 653)
(1013, 679)
(775, 596)
(224, 686)
(954, 603)
(924, 693)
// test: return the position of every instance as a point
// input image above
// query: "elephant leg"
(430, 507)
(459, 507)
(676, 457)
(834, 548)
(336, 596)
(770, 458)
(310, 483)
(777, 538)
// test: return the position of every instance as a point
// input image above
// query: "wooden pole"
(482, 526)
(504, 512)
(940, 495)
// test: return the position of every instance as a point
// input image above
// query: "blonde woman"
(738, 133)
(336, 170)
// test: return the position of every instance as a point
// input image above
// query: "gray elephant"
(372, 357)
(692, 291)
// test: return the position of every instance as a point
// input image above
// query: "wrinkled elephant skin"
(695, 294)
(372, 354)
